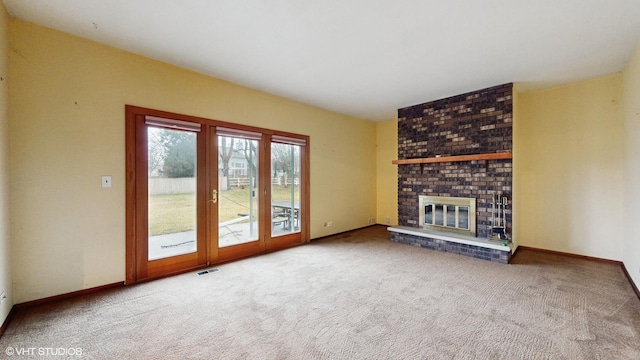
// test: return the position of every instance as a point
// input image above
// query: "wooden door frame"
(240, 251)
(132, 211)
(288, 240)
(143, 268)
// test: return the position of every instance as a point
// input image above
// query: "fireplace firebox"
(453, 214)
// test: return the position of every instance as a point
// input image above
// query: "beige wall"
(67, 129)
(515, 203)
(569, 178)
(5, 235)
(631, 101)
(386, 172)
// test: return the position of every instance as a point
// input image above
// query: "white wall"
(631, 101)
(5, 235)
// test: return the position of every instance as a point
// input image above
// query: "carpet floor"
(352, 296)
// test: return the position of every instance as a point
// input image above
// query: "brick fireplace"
(453, 130)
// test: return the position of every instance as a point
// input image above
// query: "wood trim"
(274, 243)
(25, 305)
(590, 258)
(633, 285)
(7, 320)
(489, 156)
(515, 252)
(264, 189)
(141, 225)
(585, 257)
(202, 195)
(70, 295)
(212, 213)
(130, 197)
(135, 268)
(305, 203)
(172, 273)
(264, 192)
(347, 231)
(211, 122)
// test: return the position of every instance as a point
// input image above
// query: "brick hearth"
(485, 249)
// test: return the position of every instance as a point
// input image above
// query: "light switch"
(106, 181)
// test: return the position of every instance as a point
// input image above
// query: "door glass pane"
(171, 157)
(285, 189)
(238, 190)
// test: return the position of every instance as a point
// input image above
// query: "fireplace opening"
(454, 214)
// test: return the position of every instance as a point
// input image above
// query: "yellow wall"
(631, 102)
(569, 178)
(515, 203)
(5, 242)
(386, 172)
(67, 130)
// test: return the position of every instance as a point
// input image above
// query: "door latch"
(214, 196)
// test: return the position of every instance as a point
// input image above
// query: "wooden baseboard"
(591, 258)
(585, 257)
(515, 253)
(70, 295)
(79, 293)
(348, 231)
(633, 285)
(7, 320)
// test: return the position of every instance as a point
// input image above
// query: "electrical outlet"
(387, 220)
(372, 221)
(3, 297)
(328, 224)
(106, 181)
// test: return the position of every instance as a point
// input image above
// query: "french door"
(201, 191)
(236, 164)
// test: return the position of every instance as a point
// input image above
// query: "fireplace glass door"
(448, 214)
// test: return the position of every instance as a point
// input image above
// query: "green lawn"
(171, 213)
(176, 213)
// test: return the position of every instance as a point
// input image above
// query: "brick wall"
(474, 123)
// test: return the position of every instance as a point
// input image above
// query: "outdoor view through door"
(201, 191)
(171, 162)
(238, 186)
(285, 188)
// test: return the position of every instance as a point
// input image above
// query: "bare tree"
(251, 156)
(284, 159)
(225, 151)
(156, 151)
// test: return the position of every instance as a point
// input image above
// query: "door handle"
(214, 196)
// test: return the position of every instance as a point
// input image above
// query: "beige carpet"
(353, 296)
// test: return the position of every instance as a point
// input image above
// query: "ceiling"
(364, 58)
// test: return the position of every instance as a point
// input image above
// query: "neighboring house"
(238, 174)
(237, 165)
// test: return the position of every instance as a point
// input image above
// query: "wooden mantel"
(489, 156)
